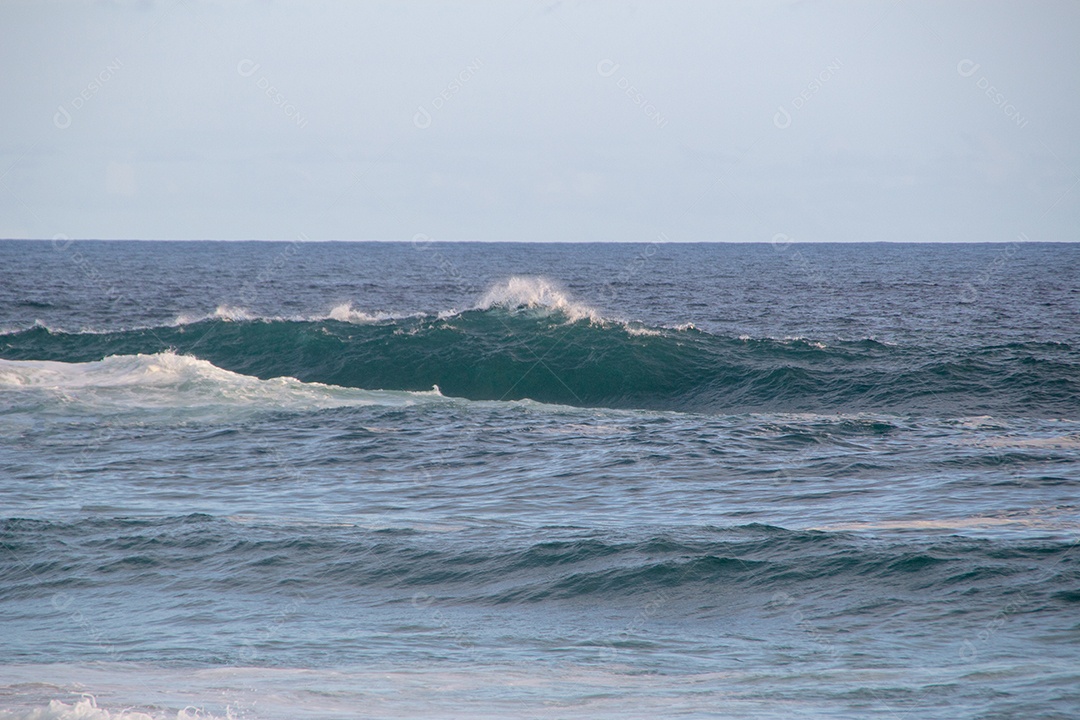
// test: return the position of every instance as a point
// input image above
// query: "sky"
(541, 121)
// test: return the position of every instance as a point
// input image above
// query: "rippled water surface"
(337, 480)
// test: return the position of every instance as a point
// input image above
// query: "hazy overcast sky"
(685, 121)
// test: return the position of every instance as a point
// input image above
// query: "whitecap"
(536, 292)
(228, 313)
(168, 380)
(346, 313)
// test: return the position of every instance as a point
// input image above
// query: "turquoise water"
(392, 480)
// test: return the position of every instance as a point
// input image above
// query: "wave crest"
(345, 312)
(527, 339)
(221, 312)
(536, 292)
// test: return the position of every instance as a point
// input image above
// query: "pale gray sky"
(556, 121)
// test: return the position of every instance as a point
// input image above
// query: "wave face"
(565, 355)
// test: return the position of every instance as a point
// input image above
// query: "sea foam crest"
(117, 371)
(221, 312)
(343, 312)
(536, 292)
(169, 380)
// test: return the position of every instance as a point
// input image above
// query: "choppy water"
(451, 480)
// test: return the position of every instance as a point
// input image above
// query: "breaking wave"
(526, 339)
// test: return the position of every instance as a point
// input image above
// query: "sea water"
(330, 480)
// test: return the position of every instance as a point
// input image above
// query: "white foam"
(786, 339)
(343, 312)
(171, 380)
(605, 688)
(221, 312)
(641, 330)
(87, 709)
(536, 292)
(528, 292)
(346, 313)
(82, 330)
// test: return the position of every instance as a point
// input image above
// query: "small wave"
(339, 553)
(514, 294)
(343, 312)
(789, 340)
(1047, 521)
(1057, 442)
(57, 329)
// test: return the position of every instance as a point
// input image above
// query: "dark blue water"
(493, 480)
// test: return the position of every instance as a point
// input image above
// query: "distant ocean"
(399, 480)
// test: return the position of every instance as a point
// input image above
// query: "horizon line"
(431, 241)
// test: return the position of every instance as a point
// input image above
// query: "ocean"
(481, 480)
